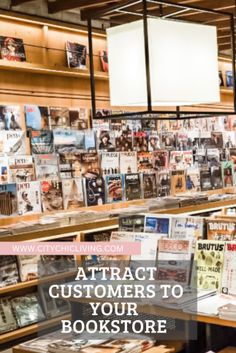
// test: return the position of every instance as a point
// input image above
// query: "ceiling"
(78, 11)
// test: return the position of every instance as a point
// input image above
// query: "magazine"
(4, 170)
(52, 199)
(229, 79)
(128, 162)
(8, 271)
(72, 190)
(216, 177)
(154, 142)
(133, 190)
(140, 141)
(8, 200)
(145, 164)
(69, 141)
(110, 163)
(7, 317)
(29, 198)
(200, 157)
(12, 142)
(168, 140)
(205, 178)
(36, 117)
(76, 55)
(70, 165)
(90, 164)
(59, 118)
(78, 118)
(190, 228)
(41, 142)
(12, 49)
(104, 60)
(106, 141)
(114, 188)
(178, 181)
(149, 185)
(187, 159)
(163, 183)
(228, 285)
(94, 189)
(176, 160)
(158, 224)
(28, 267)
(224, 230)
(131, 223)
(228, 173)
(213, 157)
(46, 166)
(10, 118)
(193, 180)
(89, 140)
(27, 309)
(21, 169)
(52, 307)
(124, 142)
(160, 160)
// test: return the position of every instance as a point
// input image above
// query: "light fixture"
(183, 63)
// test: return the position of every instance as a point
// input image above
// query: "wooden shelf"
(31, 329)
(36, 282)
(50, 70)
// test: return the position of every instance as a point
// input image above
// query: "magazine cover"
(8, 200)
(46, 166)
(41, 142)
(133, 190)
(124, 142)
(158, 224)
(106, 141)
(104, 60)
(28, 267)
(224, 230)
(76, 55)
(163, 183)
(149, 185)
(12, 142)
(36, 117)
(89, 140)
(72, 190)
(70, 165)
(173, 263)
(168, 140)
(12, 49)
(160, 160)
(8, 271)
(190, 228)
(213, 157)
(149, 249)
(78, 118)
(131, 223)
(193, 180)
(228, 285)
(187, 159)
(69, 141)
(183, 143)
(4, 170)
(208, 263)
(140, 141)
(178, 181)
(51, 192)
(229, 139)
(114, 188)
(90, 164)
(94, 189)
(200, 158)
(145, 164)
(176, 160)
(10, 118)
(228, 173)
(216, 177)
(154, 142)
(128, 162)
(7, 317)
(205, 178)
(29, 198)
(52, 307)
(27, 309)
(110, 163)
(217, 139)
(21, 169)
(59, 118)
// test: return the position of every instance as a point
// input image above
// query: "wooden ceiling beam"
(62, 5)
(19, 2)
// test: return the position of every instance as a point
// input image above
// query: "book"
(46, 166)
(4, 170)
(114, 188)
(52, 307)
(12, 142)
(140, 141)
(106, 141)
(94, 189)
(228, 285)
(128, 162)
(218, 229)
(131, 223)
(27, 309)
(229, 79)
(9, 274)
(51, 192)
(72, 190)
(29, 198)
(163, 183)
(12, 49)
(78, 118)
(173, 263)
(158, 224)
(41, 142)
(70, 165)
(104, 60)
(36, 117)
(59, 118)
(178, 181)
(10, 117)
(8, 200)
(110, 163)
(28, 267)
(208, 265)
(145, 162)
(205, 178)
(76, 55)
(160, 160)
(133, 188)
(228, 173)
(90, 164)
(21, 169)
(69, 141)
(186, 227)
(193, 179)
(149, 183)
(7, 318)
